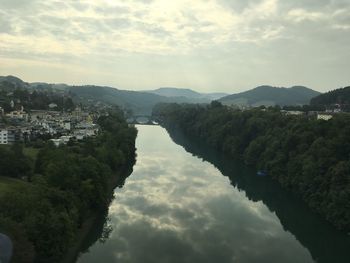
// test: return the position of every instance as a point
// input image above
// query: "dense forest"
(308, 156)
(338, 96)
(34, 100)
(45, 198)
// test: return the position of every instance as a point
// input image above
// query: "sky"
(207, 45)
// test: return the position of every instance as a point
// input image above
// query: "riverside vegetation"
(64, 185)
(308, 156)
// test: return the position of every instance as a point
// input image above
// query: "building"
(10, 135)
(14, 135)
(324, 116)
(294, 112)
(20, 114)
(3, 136)
(57, 142)
(53, 105)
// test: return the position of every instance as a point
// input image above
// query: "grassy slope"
(9, 184)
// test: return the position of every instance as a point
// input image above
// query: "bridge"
(142, 120)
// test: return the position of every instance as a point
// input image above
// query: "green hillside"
(269, 96)
(338, 96)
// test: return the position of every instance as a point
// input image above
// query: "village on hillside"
(60, 127)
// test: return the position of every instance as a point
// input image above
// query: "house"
(86, 129)
(20, 114)
(65, 139)
(324, 116)
(52, 105)
(66, 125)
(57, 142)
(294, 112)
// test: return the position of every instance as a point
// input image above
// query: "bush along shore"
(307, 156)
(66, 186)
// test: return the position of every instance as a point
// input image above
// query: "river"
(190, 204)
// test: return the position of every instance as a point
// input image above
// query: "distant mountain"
(270, 96)
(10, 83)
(188, 93)
(142, 102)
(338, 96)
(175, 92)
(139, 102)
(48, 87)
(15, 93)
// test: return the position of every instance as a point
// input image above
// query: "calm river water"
(178, 206)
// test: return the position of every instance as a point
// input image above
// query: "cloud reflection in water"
(177, 208)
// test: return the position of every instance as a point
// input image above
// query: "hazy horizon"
(208, 46)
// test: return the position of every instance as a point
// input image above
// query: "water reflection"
(176, 207)
(325, 243)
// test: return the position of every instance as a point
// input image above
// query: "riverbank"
(308, 157)
(73, 253)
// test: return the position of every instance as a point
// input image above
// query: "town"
(60, 127)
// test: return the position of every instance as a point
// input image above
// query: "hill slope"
(269, 96)
(188, 93)
(10, 83)
(141, 103)
(338, 96)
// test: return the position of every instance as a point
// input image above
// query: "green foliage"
(34, 100)
(13, 162)
(309, 157)
(70, 182)
(338, 96)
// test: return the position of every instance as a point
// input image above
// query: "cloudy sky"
(207, 45)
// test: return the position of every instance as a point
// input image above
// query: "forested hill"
(139, 102)
(309, 157)
(188, 93)
(270, 96)
(338, 96)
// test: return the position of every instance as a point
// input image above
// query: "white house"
(323, 116)
(295, 112)
(57, 142)
(52, 105)
(18, 115)
(65, 139)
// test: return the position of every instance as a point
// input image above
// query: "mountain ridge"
(269, 96)
(186, 92)
(142, 102)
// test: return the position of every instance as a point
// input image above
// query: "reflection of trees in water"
(324, 242)
(106, 231)
(99, 233)
(102, 227)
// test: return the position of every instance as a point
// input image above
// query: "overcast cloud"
(207, 45)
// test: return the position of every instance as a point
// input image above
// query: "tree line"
(65, 185)
(308, 156)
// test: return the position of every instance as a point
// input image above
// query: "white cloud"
(159, 33)
(299, 15)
